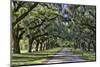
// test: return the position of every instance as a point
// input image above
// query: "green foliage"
(41, 27)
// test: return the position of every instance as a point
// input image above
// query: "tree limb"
(25, 14)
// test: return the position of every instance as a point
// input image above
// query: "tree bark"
(30, 45)
(16, 48)
(41, 46)
(89, 47)
(94, 47)
(37, 45)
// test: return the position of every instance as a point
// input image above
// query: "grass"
(89, 56)
(33, 58)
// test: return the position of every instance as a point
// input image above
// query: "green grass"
(33, 58)
(90, 56)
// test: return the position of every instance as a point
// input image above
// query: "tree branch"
(25, 14)
(19, 6)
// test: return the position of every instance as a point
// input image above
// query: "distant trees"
(82, 26)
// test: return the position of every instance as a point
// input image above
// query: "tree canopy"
(42, 26)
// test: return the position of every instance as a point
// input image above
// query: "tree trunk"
(83, 46)
(37, 45)
(41, 46)
(44, 46)
(30, 45)
(89, 47)
(94, 47)
(16, 46)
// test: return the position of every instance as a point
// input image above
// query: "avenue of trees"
(41, 26)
